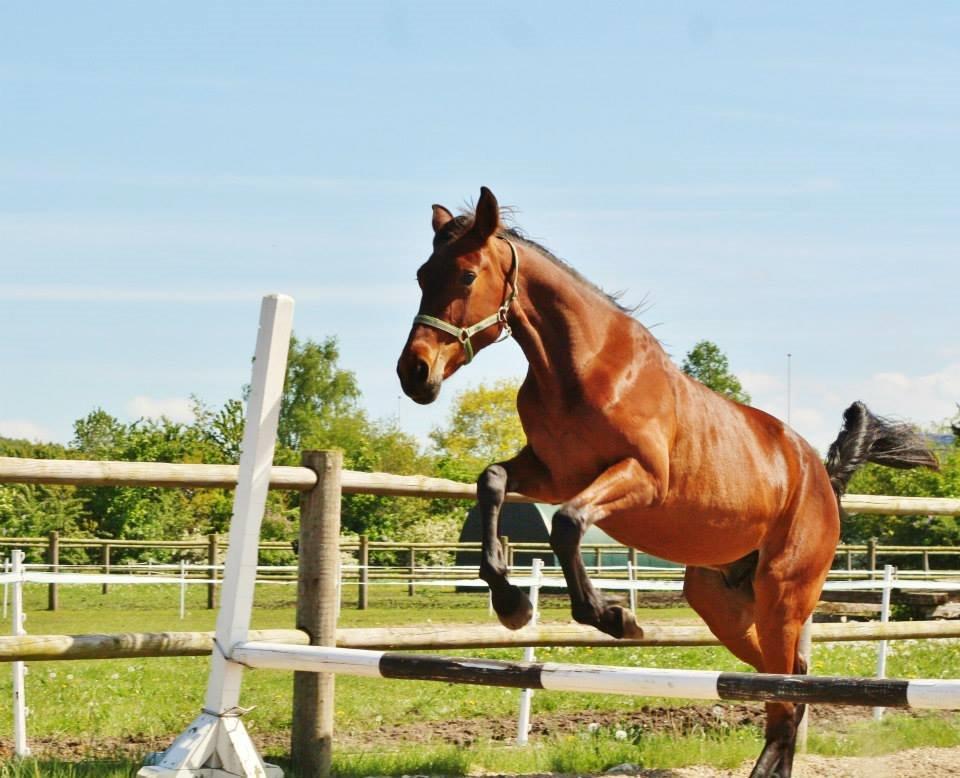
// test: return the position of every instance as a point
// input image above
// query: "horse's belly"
(686, 539)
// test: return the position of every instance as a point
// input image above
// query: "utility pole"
(789, 387)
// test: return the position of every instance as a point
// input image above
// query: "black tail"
(868, 438)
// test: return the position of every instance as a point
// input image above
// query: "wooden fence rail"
(105, 473)
(131, 645)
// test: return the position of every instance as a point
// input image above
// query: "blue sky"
(776, 179)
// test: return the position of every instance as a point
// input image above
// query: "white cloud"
(178, 409)
(25, 430)
(924, 398)
(819, 401)
(760, 383)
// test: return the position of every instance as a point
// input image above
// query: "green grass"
(584, 753)
(893, 733)
(34, 768)
(151, 700)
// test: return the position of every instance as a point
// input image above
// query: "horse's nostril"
(422, 372)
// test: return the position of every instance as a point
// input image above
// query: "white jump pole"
(20, 746)
(216, 744)
(526, 695)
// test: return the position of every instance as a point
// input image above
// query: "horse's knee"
(492, 484)
(566, 529)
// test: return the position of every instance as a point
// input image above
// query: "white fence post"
(888, 576)
(183, 589)
(6, 588)
(526, 695)
(216, 741)
(20, 746)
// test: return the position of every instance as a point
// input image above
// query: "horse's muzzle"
(420, 381)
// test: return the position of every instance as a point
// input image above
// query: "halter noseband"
(463, 334)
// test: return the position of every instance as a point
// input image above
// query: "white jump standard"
(216, 744)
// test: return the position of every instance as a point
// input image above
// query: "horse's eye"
(468, 277)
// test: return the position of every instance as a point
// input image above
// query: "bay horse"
(621, 438)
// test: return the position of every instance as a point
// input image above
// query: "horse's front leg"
(524, 473)
(624, 485)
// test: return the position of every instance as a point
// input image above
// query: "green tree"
(142, 513)
(320, 400)
(221, 430)
(98, 435)
(384, 447)
(35, 509)
(483, 428)
(710, 366)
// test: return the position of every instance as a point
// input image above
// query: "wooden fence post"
(317, 593)
(872, 556)
(213, 544)
(105, 561)
(53, 559)
(363, 578)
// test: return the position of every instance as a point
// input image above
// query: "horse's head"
(467, 286)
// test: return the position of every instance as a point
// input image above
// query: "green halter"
(463, 334)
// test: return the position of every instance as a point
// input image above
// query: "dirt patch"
(681, 720)
(466, 732)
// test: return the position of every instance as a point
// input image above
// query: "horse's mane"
(460, 224)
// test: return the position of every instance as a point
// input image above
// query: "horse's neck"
(562, 324)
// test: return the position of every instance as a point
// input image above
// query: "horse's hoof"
(621, 623)
(512, 606)
(631, 630)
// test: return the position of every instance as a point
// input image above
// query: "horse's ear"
(486, 219)
(441, 217)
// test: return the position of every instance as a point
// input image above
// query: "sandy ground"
(925, 762)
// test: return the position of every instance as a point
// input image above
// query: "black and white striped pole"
(594, 679)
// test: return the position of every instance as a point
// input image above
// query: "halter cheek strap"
(463, 334)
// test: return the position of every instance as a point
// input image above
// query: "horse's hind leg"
(623, 486)
(727, 605)
(793, 566)
(779, 639)
(522, 473)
